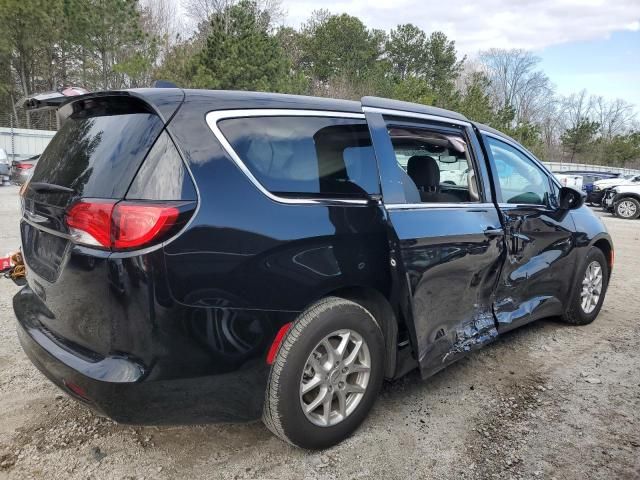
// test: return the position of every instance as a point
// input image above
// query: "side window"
(306, 156)
(435, 166)
(521, 181)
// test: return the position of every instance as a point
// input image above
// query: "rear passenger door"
(445, 235)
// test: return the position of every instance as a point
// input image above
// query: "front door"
(534, 281)
(445, 234)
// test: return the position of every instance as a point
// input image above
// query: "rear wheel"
(627, 208)
(590, 289)
(326, 375)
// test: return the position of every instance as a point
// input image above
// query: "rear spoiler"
(163, 102)
(52, 100)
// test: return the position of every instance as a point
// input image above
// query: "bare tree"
(615, 117)
(576, 108)
(200, 11)
(160, 18)
(515, 82)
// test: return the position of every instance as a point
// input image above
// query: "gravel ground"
(546, 401)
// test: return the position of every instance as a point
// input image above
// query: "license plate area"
(43, 251)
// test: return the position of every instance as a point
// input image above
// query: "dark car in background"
(21, 170)
(210, 256)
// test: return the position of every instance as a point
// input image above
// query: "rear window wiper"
(49, 187)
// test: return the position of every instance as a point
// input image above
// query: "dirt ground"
(546, 401)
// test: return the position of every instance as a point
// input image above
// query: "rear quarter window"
(306, 156)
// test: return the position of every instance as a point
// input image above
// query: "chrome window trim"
(423, 116)
(435, 205)
(212, 119)
(522, 205)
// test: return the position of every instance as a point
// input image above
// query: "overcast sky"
(593, 44)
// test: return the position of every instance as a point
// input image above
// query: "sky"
(592, 44)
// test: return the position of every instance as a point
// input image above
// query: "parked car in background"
(600, 186)
(21, 170)
(4, 166)
(217, 256)
(623, 201)
(590, 177)
(570, 180)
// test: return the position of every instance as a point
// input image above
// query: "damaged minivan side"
(213, 256)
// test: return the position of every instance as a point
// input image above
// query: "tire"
(283, 411)
(627, 208)
(575, 313)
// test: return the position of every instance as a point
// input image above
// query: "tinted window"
(97, 156)
(521, 181)
(162, 176)
(306, 155)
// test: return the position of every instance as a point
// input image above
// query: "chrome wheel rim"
(627, 209)
(591, 287)
(335, 378)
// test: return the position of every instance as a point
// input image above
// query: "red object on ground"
(5, 263)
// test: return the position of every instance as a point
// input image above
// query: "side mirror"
(570, 199)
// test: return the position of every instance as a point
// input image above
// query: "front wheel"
(591, 286)
(627, 208)
(326, 375)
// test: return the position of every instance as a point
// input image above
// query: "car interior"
(435, 167)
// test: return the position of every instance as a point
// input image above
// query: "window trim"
(410, 120)
(550, 178)
(421, 116)
(212, 119)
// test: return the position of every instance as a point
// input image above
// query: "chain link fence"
(24, 134)
(30, 120)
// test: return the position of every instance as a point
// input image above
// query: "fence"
(560, 167)
(20, 143)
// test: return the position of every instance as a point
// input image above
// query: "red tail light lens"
(24, 166)
(137, 225)
(124, 225)
(90, 222)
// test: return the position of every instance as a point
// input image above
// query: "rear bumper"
(129, 392)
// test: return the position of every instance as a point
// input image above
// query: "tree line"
(242, 45)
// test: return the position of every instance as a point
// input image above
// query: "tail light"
(24, 166)
(126, 225)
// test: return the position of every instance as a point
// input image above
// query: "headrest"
(424, 171)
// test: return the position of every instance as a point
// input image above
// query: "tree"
(340, 46)
(515, 82)
(475, 102)
(579, 137)
(442, 68)
(241, 54)
(406, 49)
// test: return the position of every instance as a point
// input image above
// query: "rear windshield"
(307, 156)
(99, 149)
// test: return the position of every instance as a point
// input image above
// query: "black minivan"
(217, 256)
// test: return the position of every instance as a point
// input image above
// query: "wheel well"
(377, 304)
(621, 196)
(607, 249)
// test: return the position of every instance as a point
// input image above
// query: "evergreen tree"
(241, 54)
(406, 49)
(578, 138)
